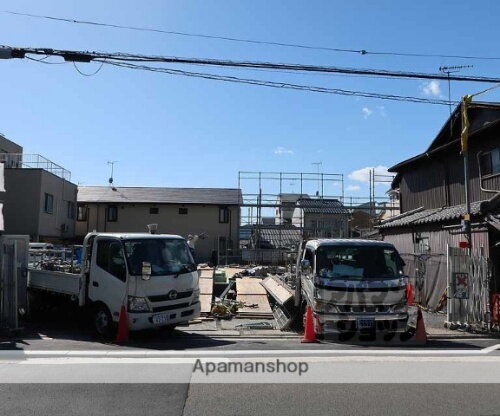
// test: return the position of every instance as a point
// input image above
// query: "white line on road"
(28, 354)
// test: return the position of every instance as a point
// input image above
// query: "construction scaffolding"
(274, 206)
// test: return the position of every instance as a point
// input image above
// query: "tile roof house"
(432, 200)
(321, 218)
(183, 211)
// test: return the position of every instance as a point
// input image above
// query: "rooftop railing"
(33, 161)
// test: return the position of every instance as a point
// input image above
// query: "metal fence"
(468, 305)
(33, 161)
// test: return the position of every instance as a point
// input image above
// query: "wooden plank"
(249, 286)
(277, 289)
(206, 286)
(206, 303)
(206, 273)
(261, 300)
(231, 271)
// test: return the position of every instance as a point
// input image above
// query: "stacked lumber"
(250, 291)
(206, 289)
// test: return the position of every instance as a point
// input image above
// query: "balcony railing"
(33, 161)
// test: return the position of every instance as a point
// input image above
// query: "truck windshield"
(166, 256)
(358, 262)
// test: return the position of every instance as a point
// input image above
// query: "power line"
(249, 41)
(280, 85)
(86, 56)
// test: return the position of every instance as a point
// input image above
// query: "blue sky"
(175, 131)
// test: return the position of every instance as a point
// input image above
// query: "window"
(71, 210)
(183, 211)
(356, 262)
(110, 258)
(490, 162)
(112, 213)
(223, 214)
(166, 256)
(48, 205)
(81, 214)
(154, 210)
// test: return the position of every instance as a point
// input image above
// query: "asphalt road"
(248, 399)
(66, 372)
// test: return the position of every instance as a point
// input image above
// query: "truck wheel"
(103, 322)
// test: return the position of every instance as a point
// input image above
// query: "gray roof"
(122, 194)
(425, 216)
(322, 206)
(291, 198)
(281, 236)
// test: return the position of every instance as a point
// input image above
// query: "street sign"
(461, 283)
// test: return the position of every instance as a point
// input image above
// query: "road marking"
(28, 354)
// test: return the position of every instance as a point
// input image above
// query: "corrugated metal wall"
(431, 264)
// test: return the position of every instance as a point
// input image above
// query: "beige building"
(182, 211)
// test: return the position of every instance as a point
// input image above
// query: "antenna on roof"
(112, 163)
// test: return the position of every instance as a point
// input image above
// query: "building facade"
(183, 211)
(432, 200)
(321, 218)
(40, 199)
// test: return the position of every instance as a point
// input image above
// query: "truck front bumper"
(140, 321)
(332, 323)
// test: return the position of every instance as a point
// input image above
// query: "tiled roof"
(421, 216)
(219, 196)
(281, 236)
(322, 206)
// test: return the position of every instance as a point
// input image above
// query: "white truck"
(153, 275)
(354, 286)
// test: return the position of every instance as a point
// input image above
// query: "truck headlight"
(196, 296)
(324, 307)
(137, 304)
(400, 308)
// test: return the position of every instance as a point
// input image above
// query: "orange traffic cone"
(122, 334)
(420, 334)
(309, 334)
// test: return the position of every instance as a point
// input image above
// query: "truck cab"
(354, 286)
(154, 276)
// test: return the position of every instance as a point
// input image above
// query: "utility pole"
(464, 138)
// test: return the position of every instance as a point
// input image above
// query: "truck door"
(108, 275)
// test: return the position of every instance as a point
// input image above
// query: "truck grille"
(164, 298)
(170, 307)
(364, 308)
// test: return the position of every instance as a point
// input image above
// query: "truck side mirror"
(146, 270)
(305, 265)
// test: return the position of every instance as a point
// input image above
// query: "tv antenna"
(451, 70)
(112, 163)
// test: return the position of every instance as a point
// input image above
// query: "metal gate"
(468, 303)
(13, 280)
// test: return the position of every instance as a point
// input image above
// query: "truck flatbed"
(57, 282)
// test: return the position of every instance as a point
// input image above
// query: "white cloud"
(353, 188)
(432, 88)
(280, 150)
(363, 175)
(366, 112)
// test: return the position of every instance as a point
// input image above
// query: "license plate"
(159, 319)
(366, 324)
